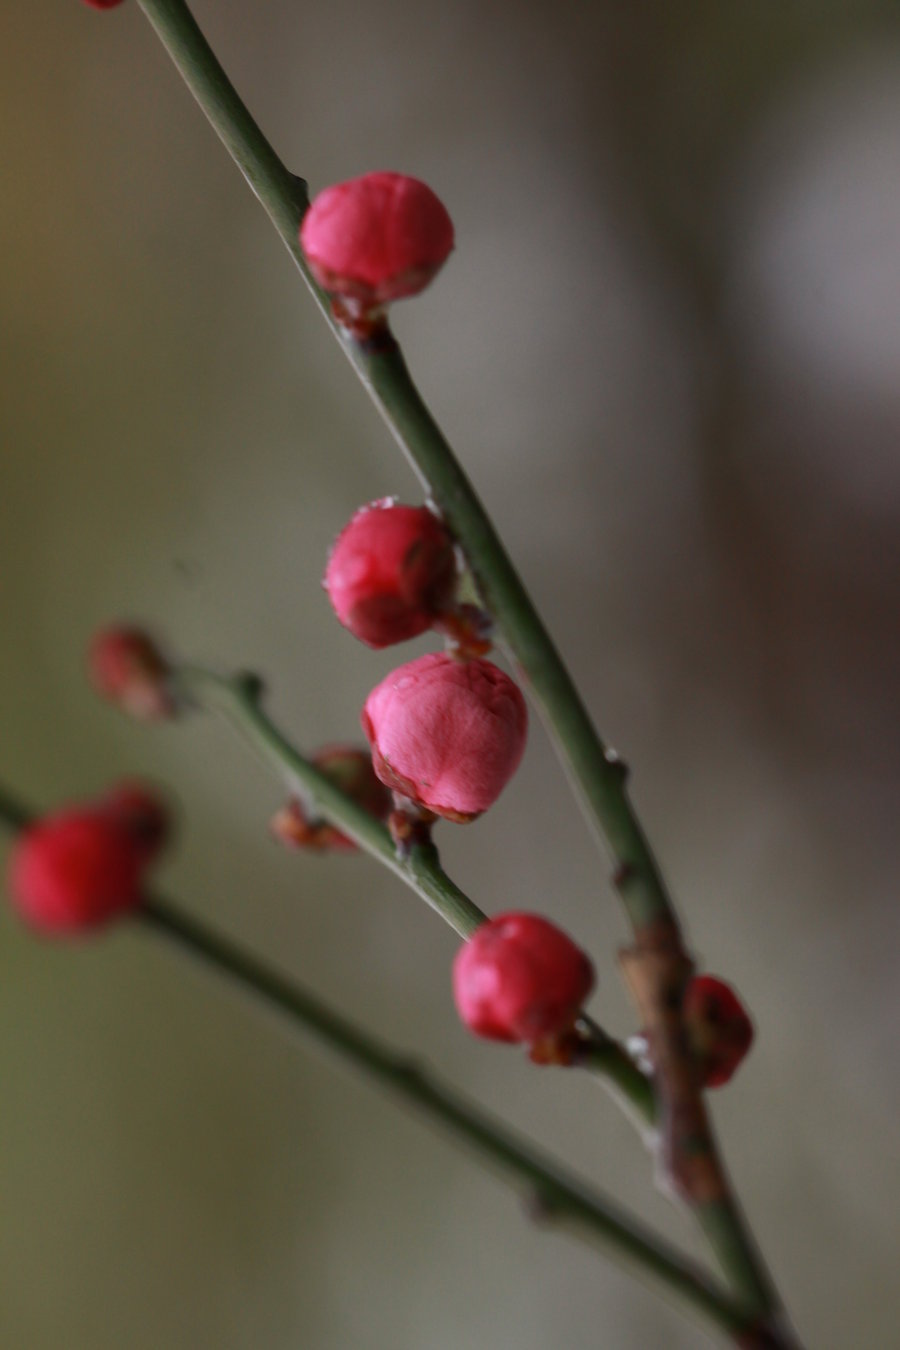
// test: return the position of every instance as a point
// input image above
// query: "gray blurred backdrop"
(667, 348)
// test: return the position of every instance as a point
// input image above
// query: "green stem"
(237, 698)
(608, 1059)
(558, 1196)
(282, 195)
(598, 774)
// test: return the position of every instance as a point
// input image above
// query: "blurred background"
(667, 349)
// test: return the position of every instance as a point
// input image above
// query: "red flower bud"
(351, 770)
(126, 667)
(448, 734)
(77, 868)
(520, 978)
(391, 572)
(103, 4)
(718, 1027)
(376, 238)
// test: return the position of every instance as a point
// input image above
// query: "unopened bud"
(351, 770)
(448, 734)
(391, 572)
(377, 238)
(520, 978)
(718, 1028)
(78, 868)
(127, 667)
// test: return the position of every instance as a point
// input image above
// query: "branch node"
(250, 685)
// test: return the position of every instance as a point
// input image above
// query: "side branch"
(597, 772)
(238, 700)
(560, 1198)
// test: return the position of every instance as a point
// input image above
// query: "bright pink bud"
(391, 572)
(448, 734)
(718, 1028)
(520, 978)
(349, 769)
(376, 238)
(126, 667)
(77, 869)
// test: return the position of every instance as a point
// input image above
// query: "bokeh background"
(667, 349)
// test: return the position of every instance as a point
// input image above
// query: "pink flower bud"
(520, 978)
(391, 572)
(718, 1027)
(448, 734)
(349, 769)
(77, 869)
(376, 238)
(126, 667)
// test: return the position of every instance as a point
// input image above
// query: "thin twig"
(597, 772)
(558, 1197)
(238, 700)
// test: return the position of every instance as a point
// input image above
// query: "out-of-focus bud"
(79, 868)
(718, 1027)
(127, 667)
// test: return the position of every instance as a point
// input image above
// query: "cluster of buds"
(446, 731)
(78, 868)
